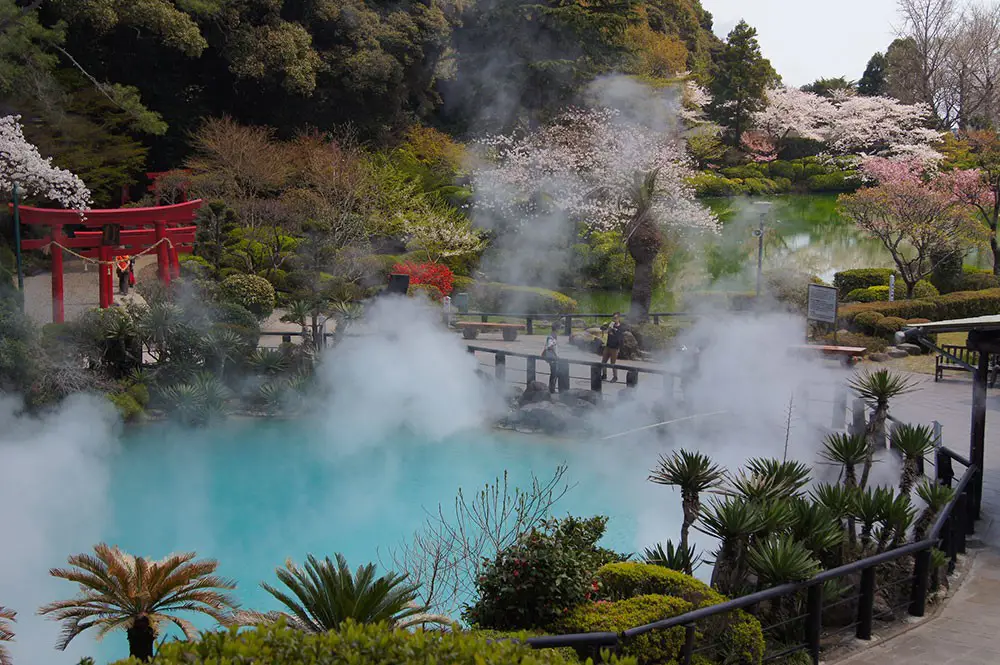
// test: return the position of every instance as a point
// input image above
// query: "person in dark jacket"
(612, 346)
(551, 355)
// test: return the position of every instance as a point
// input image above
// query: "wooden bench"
(471, 329)
(944, 364)
(847, 354)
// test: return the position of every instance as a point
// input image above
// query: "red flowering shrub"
(434, 274)
(540, 578)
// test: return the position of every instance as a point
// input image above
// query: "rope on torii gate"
(105, 263)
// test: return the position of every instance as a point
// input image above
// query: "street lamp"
(764, 207)
(17, 241)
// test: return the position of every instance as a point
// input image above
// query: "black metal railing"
(567, 319)
(805, 631)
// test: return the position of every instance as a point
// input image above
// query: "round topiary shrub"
(250, 291)
(978, 281)
(888, 326)
(866, 321)
(924, 289)
(868, 294)
(658, 646)
(428, 291)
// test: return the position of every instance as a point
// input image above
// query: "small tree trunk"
(995, 248)
(141, 637)
(909, 289)
(876, 428)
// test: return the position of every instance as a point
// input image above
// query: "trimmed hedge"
(462, 284)
(358, 645)
(250, 291)
(958, 305)
(922, 289)
(873, 344)
(500, 298)
(978, 280)
(428, 291)
(862, 278)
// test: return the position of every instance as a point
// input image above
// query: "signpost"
(892, 288)
(823, 306)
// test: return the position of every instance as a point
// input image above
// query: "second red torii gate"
(159, 226)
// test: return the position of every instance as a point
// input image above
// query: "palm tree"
(914, 442)
(848, 451)
(118, 590)
(323, 595)
(936, 497)
(298, 312)
(694, 473)
(876, 389)
(6, 633)
(676, 558)
(643, 239)
(733, 522)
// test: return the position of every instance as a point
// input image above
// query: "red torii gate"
(151, 229)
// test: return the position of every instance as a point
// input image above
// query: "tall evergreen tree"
(874, 82)
(742, 78)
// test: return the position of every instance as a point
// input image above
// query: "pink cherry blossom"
(21, 164)
(792, 112)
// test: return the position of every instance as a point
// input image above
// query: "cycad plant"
(781, 559)
(877, 389)
(872, 506)
(6, 633)
(677, 558)
(839, 500)
(322, 595)
(733, 522)
(914, 443)
(693, 473)
(120, 591)
(897, 521)
(787, 477)
(268, 362)
(816, 527)
(848, 451)
(936, 497)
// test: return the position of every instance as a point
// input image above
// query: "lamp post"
(764, 207)
(17, 242)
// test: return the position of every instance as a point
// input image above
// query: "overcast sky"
(810, 39)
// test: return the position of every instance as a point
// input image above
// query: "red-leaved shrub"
(434, 274)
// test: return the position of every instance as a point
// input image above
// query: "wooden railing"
(567, 319)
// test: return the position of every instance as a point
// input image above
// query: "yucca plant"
(268, 362)
(299, 312)
(936, 497)
(323, 595)
(939, 569)
(914, 443)
(6, 633)
(839, 500)
(185, 403)
(120, 591)
(816, 527)
(780, 559)
(775, 517)
(693, 473)
(898, 519)
(676, 558)
(876, 389)
(788, 477)
(733, 522)
(848, 451)
(871, 506)
(222, 347)
(216, 393)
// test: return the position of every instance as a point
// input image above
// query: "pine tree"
(874, 82)
(742, 78)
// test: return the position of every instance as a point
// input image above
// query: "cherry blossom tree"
(792, 112)
(34, 175)
(914, 214)
(979, 187)
(880, 125)
(591, 167)
(759, 146)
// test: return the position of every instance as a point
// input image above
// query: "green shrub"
(870, 294)
(567, 653)
(958, 305)
(888, 326)
(873, 344)
(833, 182)
(235, 314)
(653, 337)
(924, 289)
(658, 646)
(978, 281)
(947, 274)
(866, 321)
(861, 278)
(517, 591)
(462, 284)
(128, 408)
(741, 633)
(710, 184)
(358, 645)
(428, 291)
(497, 297)
(139, 393)
(250, 291)
(744, 171)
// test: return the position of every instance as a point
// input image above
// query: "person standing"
(614, 334)
(551, 355)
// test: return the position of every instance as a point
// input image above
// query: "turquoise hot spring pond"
(254, 493)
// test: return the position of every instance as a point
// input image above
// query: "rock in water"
(535, 392)
(578, 394)
(547, 417)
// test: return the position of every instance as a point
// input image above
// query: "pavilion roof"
(991, 322)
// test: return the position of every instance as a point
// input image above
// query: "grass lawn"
(923, 364)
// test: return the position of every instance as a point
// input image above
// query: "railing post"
(839, 410)
(970, 507)
(563, 375)
(814, 620)
(958, 516)
(632, 378)
(531, 370)
(858, 417)
(528, 328)
(921, 578)
(500, 365)
(866, 604)
(656, 319)
(484, 318)
(689, 635)
(568, 329)
(595, 378)
(944, 471)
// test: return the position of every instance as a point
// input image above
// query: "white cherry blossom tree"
(21, 164)
(792, 112)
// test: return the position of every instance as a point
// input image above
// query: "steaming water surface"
(253, 494)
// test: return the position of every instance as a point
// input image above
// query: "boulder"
(596, 332)
(912, 349)
(894, 352)
(878, 357)
(586, 342)
(547, 417)
(588, 396)
(535, 392)
(630, 347)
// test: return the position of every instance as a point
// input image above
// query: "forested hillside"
(133, 78)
